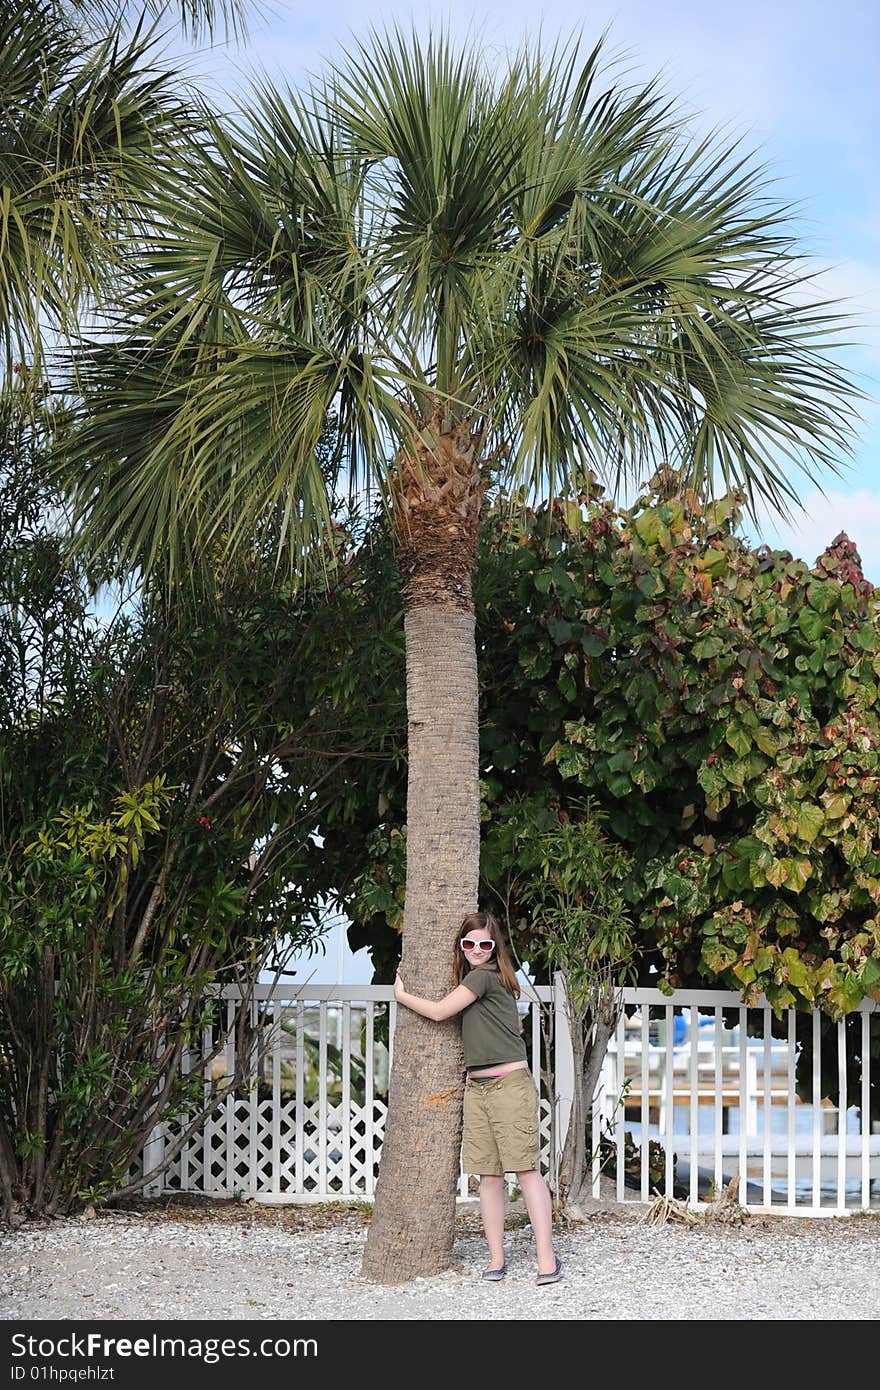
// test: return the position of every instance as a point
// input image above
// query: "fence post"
(153, 1154)
(564, 1069)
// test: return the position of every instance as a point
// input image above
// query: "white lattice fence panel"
(192, 1164)
(380, 1115)
(308, 1156)
(238, 1151)
(135, 1171)
(171, 1176)
(334, 1174)
(285, 1168)
(266, 1177)
(545, 1135)
(214, 1165)
(361, 1171)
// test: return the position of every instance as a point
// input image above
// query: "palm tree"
(514, 279)
(84, 115)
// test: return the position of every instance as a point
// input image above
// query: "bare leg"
(492, 1195)
(540, 1209)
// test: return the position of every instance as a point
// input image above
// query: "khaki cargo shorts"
(500, 1125)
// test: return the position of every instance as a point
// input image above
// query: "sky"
(799, 83)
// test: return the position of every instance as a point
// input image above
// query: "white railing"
(673, 1061)
(714, 1101)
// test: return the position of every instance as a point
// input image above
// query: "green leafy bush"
(163, 771)
(718, 703)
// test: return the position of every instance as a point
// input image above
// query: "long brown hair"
(485, 922)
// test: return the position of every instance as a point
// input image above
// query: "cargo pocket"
(520, 1127)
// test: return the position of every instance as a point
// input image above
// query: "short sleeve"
(478, 981)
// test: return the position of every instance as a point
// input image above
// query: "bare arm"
(435, 1009)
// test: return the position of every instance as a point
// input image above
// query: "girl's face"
(478, 947)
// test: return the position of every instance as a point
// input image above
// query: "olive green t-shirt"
(490, 1027)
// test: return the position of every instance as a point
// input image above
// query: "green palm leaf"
(545, 252)
(198, 18)
(80, 128)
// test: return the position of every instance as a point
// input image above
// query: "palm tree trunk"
(414, 1219)
(437, 505)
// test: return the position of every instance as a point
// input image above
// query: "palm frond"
(198, 19)
(205, 444)
(80, 136)
(545, 252)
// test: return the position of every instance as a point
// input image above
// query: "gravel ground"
(244, 1261)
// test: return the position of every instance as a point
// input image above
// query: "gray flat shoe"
(494, 1274)
(551, 1278)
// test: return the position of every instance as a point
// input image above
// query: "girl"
(500, 1100)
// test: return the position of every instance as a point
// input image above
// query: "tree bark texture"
(436, 497)
(413, 1225)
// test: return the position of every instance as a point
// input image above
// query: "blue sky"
(799, 83)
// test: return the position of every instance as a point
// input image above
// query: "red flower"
(204, 822)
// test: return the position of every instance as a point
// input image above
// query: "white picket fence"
(714, 1102)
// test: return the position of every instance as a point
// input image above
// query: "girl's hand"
(398, 987)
